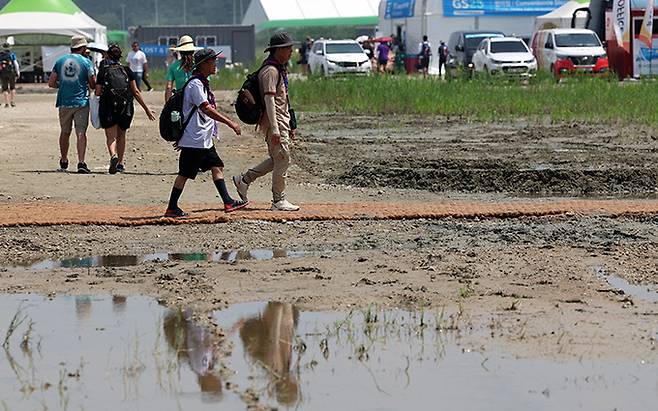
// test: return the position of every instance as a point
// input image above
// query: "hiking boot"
(241, 187)
(175, 213)
(113, 164)
(83, 169)
(120, 168)
(284, 205)
(63, 166)
(235, 205)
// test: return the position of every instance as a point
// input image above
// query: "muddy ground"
(530, 285)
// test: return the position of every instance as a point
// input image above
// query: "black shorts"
(193, 160)
(424, 62)
(8, 81)
(112, 114)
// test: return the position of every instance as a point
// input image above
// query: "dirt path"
(530, 283)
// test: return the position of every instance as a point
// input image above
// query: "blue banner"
(399, 9)
(154, 50)
(462, 8)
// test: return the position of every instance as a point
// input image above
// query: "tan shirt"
(272, 83)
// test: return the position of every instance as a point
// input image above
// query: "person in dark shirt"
(116, 86)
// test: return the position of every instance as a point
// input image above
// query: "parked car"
(462, 46)
(569, 51)
(329, 57)
(504, 55)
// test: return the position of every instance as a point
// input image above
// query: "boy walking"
(197, 151)
(275, 123)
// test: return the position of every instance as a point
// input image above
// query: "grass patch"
(484, 99)
(225, 79)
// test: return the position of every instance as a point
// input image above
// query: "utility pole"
(123, 17)
(235, 13)
(157, 17)
(185, 12)
(241, 12)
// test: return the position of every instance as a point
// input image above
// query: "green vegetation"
(225, 79)
(483, 99)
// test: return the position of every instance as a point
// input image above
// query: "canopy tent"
(561, 17)
(267, 14)
(59, 17)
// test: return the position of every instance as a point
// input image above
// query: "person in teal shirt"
(181, 70)
(73, 77)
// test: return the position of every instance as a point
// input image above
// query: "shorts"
(424, 62)
(8, 81)
(192, 160)
(110, 116)
(77, 115)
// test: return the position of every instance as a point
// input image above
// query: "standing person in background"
(10, 71)
(139, 65)
(277, 123)
(197, 150)
(180, 70)
(117, 86)
(73, 76)
(303, 55)
(424, 55)
(443, 57)
(382, 56)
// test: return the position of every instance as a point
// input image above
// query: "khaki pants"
(277, 163)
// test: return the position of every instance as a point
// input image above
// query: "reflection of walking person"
(197, 151)
(278, 123)
(117, 86)
(268, 339)
(73, 76)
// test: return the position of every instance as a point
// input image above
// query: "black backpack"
(6, 62)
(172, 124)
(425, 50)
(116, 82)
(249, 105)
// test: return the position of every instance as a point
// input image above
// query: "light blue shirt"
(73, 74)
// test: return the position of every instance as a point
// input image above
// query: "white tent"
(60, 17)
(561, 17)
(266, 14)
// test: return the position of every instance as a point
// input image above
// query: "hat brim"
(278, 46)
(186, 47)
(212, 56)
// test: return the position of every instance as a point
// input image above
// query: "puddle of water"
(126, 353)
(132, 260)
(642, 292)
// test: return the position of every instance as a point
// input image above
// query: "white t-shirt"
(201, 129)
(136, 60)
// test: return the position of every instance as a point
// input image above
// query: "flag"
(646, 32)
(621, 14)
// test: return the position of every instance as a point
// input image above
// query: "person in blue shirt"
(73, 77)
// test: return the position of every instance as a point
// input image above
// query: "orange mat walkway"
(46, 213)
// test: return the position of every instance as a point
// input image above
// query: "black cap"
(279, 40)
(204, 55)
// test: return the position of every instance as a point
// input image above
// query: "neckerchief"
(206, 85)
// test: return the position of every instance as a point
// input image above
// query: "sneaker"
(63, 166)
(120, 168)
(284, 205)
(241, 187)
(235, 205)
(13, 104)
(175, 213)
(83, 169)
(6, 105)
(113, 164)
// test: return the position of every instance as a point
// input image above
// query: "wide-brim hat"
(97, 47)
(186, 43)
(204, 55)
(78, 41)
(279, 40)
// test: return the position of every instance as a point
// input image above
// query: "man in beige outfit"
(275, 124)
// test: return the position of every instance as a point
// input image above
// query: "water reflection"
(220, 256)
(196, 345)
(268, 339)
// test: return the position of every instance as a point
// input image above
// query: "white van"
(569, 51)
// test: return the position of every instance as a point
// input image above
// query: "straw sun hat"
(185, 43)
